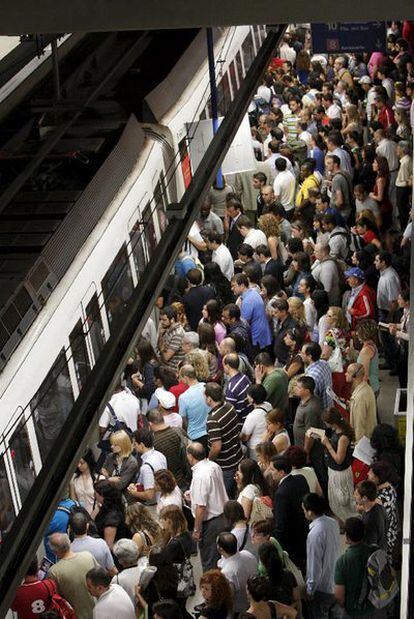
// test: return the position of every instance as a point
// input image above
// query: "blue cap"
(355, 272)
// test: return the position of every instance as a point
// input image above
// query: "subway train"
(150, 166)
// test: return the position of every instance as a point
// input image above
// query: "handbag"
(186, 582)
(335, 361)
(261, 509)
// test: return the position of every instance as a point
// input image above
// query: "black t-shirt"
(214, 613)
(282, 591)
(111, 517)
(376, 524)
(194, 300)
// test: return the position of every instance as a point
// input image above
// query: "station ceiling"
(52, 16)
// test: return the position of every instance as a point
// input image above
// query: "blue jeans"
(230, 482)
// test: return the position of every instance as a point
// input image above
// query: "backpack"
(57, 603)
(380, 586)
(347, 237)
(115, 425)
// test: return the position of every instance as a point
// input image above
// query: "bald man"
(362, 403)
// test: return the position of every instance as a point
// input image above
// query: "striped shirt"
(236, 394)
(172, 339)
(322, 375)
(222, 425)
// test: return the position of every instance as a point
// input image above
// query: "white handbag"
(335, 361)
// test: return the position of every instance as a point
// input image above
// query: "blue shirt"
(323, 547)
(182, 266)
(322, 375)
(58, 524)
(236, 394)
(253, 310)
(191, 404)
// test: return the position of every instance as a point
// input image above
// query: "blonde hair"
(181, 315)
(339, 317)
(140, 519)
(297, 309)
(352, 114)
(122, 440)
(199, 362)
(268, 224)
(368, 214)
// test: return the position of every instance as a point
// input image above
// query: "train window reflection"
(22, 460)
(7, 514)
(80, 354)
(51, 404)
(138, 249)
(95, 326)
(248, 51)
(223, 95)
(117, 287)
(160, 205)
(149, 228)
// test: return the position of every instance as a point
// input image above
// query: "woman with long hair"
(306, 288)
(383, 476)
(262, 603)
(303, 65)
(354, 139)
(276, 431)
(268, 224)
(181, 315)
(143, 380)
(334, 349)
(214, 278)
(366, 174)
(217, 595)
(250, 484)
(208, 345)
(283, 585)
(265, 451)
(144, 529)
(367, 230)
(367, 334)
(351, 121)
(320, 300)
(211, 313)
(110, 519)
(120, 466)
(339, 460)
(297, 311)
(236, 520)
(81, 484)
(302, 268)
(380, 193)
(169, 492)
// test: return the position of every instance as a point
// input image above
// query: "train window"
(95, 326)
(259, 37)
(223, 95)
(22, 459)
(159, 199)
(256, 38)
(7, 514)
(233, 76)
(117, 287)
(149, 228)
(248, 51)
(239, 66)
(138, 248)
(203, 114)
(51, 404)
(80, 354)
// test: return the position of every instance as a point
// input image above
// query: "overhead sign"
(341, 37)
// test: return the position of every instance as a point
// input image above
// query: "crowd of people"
(232, 431)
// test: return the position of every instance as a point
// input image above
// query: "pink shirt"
(220, 331)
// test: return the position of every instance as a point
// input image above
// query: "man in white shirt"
(112, 600)
(237, 567)
(284, 186)
(252, 236)
(388, 149)
(254, 425)
(124, 405)
(332, 109)
(151, 462)
(370, 91)
(389, 287)
(207, 495)
(285, 51)
(220, 254)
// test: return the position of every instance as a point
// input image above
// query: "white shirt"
(264, 92)
(311, 315)
(157, 460)
(207, 489)
(223, 258)
(284, 187)
(114, 603)
(368, 204)
(194, 233)
(173, 498)
(255, 424)
(334, 111)
(389, 287)
(388, 149)
(238, 569)
(126, 407)
(255, 237)
(149, 332)
(287, 52)
(174, 420)
(129, 578)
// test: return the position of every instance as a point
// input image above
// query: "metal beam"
(18, 16)
(26, 533)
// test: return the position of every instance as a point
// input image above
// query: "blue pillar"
(213, 91)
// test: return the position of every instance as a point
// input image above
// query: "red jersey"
(33, 598)
(386, 117)
(363, 305)
(177, 390)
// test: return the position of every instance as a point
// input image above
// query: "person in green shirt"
(274, 380)
(350, 572)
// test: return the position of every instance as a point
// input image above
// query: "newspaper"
(363, 451)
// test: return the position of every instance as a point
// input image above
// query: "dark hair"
(99, 576)
(265, 527)
(252, 273)
(294, 245)
(214, 277)
(270, 283)
(33, 568)
(146, 353)
(145, 437)
(280, 304)
(165, 480)
(195, 277)
(167, 609)
(312, 502)
(354, 529)
(197, 450)
(252, 474)
(215, 237)
(233, 512)
(246, 250)
(385, 256)
(281, 463)
(214, 391)
(383, 167)
(309, 282)
(244, 221)
(367, 489)
(257, 393)
(214, 311)
(169, 312)
(313, 350)
(260, 176)
(297, 456)
(166, 376)
(258, 587)
(383, 471)
(303, 260)
(263, 358)
(334, 417)
(227, 542)
(269, 556)
(281, 164)
(90, 461)
(233, 310)
(307, 382)
(263, 250)
(320, 300)
(241, 279)
(78, 523)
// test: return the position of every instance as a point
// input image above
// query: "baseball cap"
(165, 398)
(365, 79)
(355, 272)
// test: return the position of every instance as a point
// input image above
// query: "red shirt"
(369, 236)
(386, 117)
(177, 390)
(32, 599)
(363, 305)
